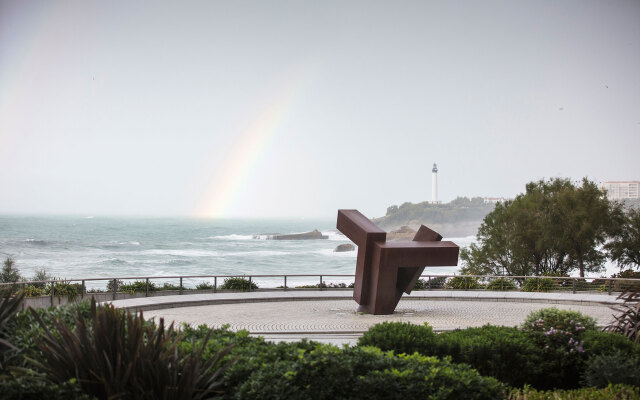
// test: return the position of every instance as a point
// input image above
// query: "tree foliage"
(9, 272)
(625, 246)
(553, 228)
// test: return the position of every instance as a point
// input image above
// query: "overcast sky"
(298, 108)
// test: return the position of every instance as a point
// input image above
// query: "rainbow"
(230, 178)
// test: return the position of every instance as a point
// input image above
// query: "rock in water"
(315, 234)
(344, 247)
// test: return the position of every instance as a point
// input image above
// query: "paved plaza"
(331, 317)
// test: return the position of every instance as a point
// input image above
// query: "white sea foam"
(462, 241)
(266, 236)
(332, 253)
(335, 235)
(260, 253)
(232, 237)
(183, 253)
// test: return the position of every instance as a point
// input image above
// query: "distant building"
(622, 190)
(494, 200)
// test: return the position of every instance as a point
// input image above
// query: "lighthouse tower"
(434, 183)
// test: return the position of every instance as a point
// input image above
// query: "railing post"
(320, 287)
(24, 287)
(53, 289)
(180, 285)
(609, 286)
(84, 289)
(146, 288)
(249, 282)
(574, 285)
(215, 284)
(285, 282)
(429, 282)
(115, 287)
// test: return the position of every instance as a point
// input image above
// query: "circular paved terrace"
(330, 316)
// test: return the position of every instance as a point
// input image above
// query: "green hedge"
(501, 284)
(617, 392)
(400, 337)
(569, 321)
(538, 285)
(464, 283)
(538, 355)
(327, 372)
(241, 284)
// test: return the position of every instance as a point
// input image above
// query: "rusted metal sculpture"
(384, 270)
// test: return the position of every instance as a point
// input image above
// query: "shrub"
(9, 272)
(252, 353)
(400, 337)
(627, 322)
(622, 286)
(25, 332)
(41, 275)
(618, 367)
(459, 282)
(8, 308)
(538, 285)
(114, 288)
(147, 362)
(434, 282)
(28, 384)
(238, 283)
(33, 291)
(597, 342)
(204, 286)
(327, 372)
(507, 354)
(137, 286)
(618, 392)
(573, 322)
(501, 284)
(171, 286)
(66, 289)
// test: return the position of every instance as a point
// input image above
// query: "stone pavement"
(330, 316)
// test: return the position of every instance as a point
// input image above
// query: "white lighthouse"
(434, 184)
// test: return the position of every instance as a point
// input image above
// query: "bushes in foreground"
(84, 351)
(611, 392)
(539, 354)
(72, 352)
(365, 373)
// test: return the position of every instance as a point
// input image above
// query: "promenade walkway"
(330, 315)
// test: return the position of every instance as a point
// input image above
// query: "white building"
(622, 190)
(494, 200)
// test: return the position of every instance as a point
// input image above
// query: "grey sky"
(133, 107)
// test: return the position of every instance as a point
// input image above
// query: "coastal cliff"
(460, 217)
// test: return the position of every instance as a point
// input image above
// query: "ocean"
(101, 247)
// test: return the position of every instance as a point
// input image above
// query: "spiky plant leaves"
(9, 306)
(120, 355)
(627, 322)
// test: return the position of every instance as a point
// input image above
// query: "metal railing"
(427, 282)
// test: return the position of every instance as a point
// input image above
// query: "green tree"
(586, 218)
(9, 271)
(551, 229)
(624, 248)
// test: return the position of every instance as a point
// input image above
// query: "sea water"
(104, 247)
